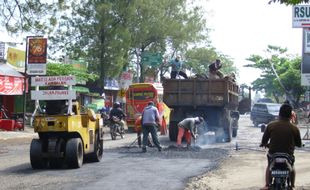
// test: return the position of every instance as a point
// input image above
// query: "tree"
(289, 2)
(58, 69)
(37, 16)
(280, 74)
(96, 32)
(199, 59)
(157, 26)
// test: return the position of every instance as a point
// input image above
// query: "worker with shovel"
(188, 128)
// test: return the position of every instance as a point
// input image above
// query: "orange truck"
(137, 97)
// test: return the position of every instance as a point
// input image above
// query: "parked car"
(263, 113)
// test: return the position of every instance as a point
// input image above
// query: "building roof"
(6, 70)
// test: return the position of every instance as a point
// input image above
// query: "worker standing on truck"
(188, 128)
(214, 70)
(176, 68)
(150, 122)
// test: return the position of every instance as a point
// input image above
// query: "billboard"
(301, 16)
(36, 56)
(16, 58)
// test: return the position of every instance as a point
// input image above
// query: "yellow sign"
(122, 93)
(16, 58)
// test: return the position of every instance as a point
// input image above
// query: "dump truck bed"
(200, 92)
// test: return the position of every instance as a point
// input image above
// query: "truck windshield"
(145, 95)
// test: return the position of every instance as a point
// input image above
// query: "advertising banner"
(10, 85)
(126, 79)
(16, 58)
(37, 54)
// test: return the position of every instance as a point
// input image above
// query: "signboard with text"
(301, 16)
(36, 57)
(53, 94)
(305, 64)
(53, 81)
(152, 59)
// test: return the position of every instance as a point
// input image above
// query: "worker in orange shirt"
(138, 130)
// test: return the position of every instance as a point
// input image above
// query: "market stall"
(11, 91)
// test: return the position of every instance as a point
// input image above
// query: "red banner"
(37, 51)
(10, 85)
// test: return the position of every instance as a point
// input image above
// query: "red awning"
(11, 81)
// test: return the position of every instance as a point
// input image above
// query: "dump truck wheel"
(173, 132)
(235, 128)
(228, 133)
(96, 156)
(74, 153)
(234, 132)
(36, 159)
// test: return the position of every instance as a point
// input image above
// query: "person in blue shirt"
(176, 66)
(150, 121)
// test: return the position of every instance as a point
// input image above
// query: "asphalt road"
(124, 167)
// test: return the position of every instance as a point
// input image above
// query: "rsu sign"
(301, 16)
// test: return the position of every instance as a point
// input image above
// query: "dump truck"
(68, 133)
(216, 100)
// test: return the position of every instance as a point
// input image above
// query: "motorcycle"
(116, 128)
(281, 168)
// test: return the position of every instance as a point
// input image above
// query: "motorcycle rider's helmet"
(116, 105)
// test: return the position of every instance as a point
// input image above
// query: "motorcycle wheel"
(122, 132)
(113, 133)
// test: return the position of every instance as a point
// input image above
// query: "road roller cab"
(68, 133)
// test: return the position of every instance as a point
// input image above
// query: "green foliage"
(157, 26)
(199, 59)
(289, 2)
(57, 69)
(37, 16)
(284, 81)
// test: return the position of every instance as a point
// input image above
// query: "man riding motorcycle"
(116, 111)
(281, 136)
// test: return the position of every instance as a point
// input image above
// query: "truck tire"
(235, 128)
(227, 129)
(96, 156)
(234, 132)
(228, 133)
(173, 131)
(36, 159)
(74, 153)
